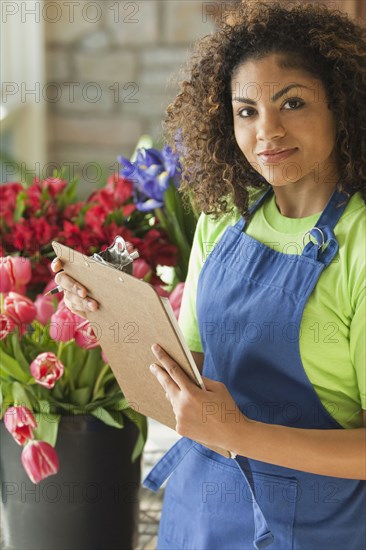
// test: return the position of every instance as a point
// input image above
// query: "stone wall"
(109, 66)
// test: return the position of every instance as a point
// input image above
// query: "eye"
(246, 112)
(293, 103)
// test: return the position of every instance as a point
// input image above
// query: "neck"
(300, 202)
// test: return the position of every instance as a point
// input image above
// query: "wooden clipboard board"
(130, 318)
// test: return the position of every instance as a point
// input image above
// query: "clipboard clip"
(117, 256)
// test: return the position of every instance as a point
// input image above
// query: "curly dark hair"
(324, 42)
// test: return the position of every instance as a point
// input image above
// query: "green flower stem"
(60, 348)
(99, 380)
(67, 374)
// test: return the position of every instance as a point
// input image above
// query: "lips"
(276, 155)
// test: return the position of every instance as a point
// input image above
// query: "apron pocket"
(208, 506)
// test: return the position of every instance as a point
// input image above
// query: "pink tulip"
(6, 326)
(39, 460)
(22, 270)
(7, 277)
(141, 269)
(19, 308)
(19, 421)
(46, 369)
(175, 298)
(63, 324)
(85, 336)
(45, 308)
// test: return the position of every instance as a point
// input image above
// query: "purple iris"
(151, 174)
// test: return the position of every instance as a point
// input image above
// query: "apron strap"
(324, 246)
(243, 221)
(263, 537)
(169, 462)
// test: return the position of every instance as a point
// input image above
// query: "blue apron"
(250, 302)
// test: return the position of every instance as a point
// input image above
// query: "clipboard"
(131, 317)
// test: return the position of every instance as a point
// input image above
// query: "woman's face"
(283, 125)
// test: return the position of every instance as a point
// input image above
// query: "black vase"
(92, 503)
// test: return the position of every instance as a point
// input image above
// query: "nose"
(269, 127)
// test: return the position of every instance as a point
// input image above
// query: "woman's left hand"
(209, 416)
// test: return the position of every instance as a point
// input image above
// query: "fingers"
(166, 382)
(75, 295)
(173, 370)
(56, 265)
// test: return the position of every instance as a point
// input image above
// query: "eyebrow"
(276, 96)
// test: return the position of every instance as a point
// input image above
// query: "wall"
(108, 70)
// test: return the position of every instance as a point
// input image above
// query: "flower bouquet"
(51, 361)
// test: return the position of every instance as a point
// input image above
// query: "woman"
(271, 121)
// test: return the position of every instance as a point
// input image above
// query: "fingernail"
(80, 292)
(155, 348)
(91, 305)
(153, 368)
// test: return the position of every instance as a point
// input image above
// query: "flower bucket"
(91, 504)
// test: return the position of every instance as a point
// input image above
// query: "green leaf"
(20, 395)
(91, 368)
(20, 205)
(107, 418)
(141, 423)
(6, 397)
(10, 367)
(80, 396)
(18, 354)
(48, 424)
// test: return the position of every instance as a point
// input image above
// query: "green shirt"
(332, 332)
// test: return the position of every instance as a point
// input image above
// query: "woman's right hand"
(75, 294)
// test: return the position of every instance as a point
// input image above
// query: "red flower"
(104, 198)
(54, 185)
(6, 326)
(96, 215)
(23, 236)
(72, 210)
(110, 231)
(19, 308)
(19, 421)
(46, 369)
(81, 239)
(8, 198)
(157, 250)
(42, 231)
(39, 460)
(128, 209)
(34, 197)
(7, 276)
(121, 189)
